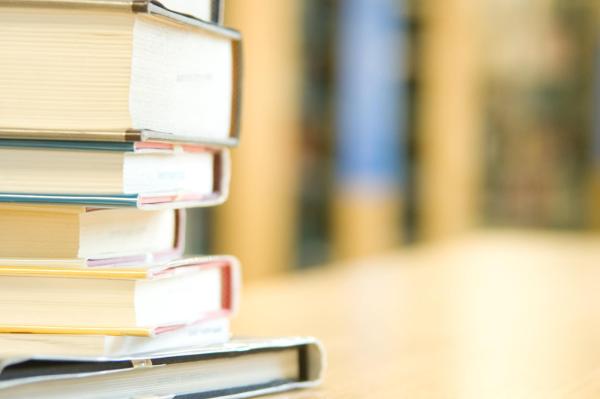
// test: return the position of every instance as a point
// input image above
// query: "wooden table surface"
(490, 315)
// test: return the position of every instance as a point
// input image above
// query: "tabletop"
(488, 315)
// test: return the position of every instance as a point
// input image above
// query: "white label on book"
(163, 173)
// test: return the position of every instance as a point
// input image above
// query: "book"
(206, 10)
(240, 368)
(89, 237)
(137, 301)
(145, 175)
(210, 332)
(116, 71)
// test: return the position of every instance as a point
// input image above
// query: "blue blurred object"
(371, 90)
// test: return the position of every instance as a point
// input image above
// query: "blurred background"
(377, 124)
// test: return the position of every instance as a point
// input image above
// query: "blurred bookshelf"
(355, 139)
(497, 125)
(537, 108)
(448, 140)
(317, 125)
(593, 186)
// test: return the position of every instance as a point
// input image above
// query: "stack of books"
(115, 116)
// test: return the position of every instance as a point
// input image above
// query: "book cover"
(155, 12)
(221, 174)
(248, 367)
(135, 299)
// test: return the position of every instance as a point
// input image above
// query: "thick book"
(147, 175)
(136, 301)
(210, 332)
(79, 236)
(206, 10)
(116, 71)
(238, 369)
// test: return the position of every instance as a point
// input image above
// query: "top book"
(117, 71)
(206, 10)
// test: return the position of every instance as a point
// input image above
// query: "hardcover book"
(206, 10)
(146, 175)
(116, 71)
(238, 369)
(206, 333)
(136, 301)
(78, 236)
